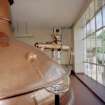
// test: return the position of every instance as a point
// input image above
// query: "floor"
(93, 85)
(82, 95)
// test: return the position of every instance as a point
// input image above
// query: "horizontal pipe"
(4, 18)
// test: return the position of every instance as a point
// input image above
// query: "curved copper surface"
(19, 74)
(4, 40)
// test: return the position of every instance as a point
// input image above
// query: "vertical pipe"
(57, 99)
(5, 26)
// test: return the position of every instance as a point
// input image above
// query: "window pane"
(99, 47)
(93, 49)
(88, 29)
(103, 38)
(98, 20)
(86, 68)
(103, 15)
(103, 76)
(94, 72)
(84, 31)
(84, 49)
(89, 70)
(100, 70)
(88, 49)
(92, 22)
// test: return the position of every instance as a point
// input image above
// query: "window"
(99, 20)
(88, 69)
(92, 23)
(99, 46)
(100, 71)
(94, 76)
(88, 29)
(84, 31)
(94, 42)
(103, 10)
(93, 48)
(103, 38)
(93, 37)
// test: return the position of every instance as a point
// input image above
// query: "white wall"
(67, 40)
(78, 49)
(37, 35)
(44, 35)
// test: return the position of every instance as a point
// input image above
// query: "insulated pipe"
(5, 26)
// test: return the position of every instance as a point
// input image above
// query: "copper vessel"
(27, 75)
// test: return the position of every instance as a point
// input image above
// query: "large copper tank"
(25, 69)
(25, 72)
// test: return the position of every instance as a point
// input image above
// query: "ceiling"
(46, 13)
